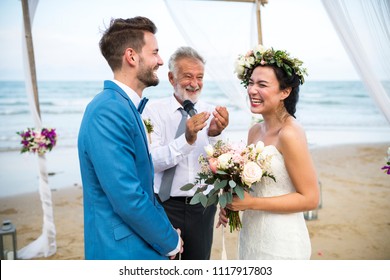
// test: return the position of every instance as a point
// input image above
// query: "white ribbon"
(223, 253)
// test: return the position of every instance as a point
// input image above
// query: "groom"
(122, 219)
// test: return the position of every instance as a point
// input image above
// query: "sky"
(66, 35)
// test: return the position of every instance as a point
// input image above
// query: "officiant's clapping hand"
(195, 124)
(219, 122)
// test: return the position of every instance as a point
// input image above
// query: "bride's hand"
(240, 204)
(223, 220)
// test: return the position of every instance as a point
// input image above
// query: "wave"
(54, 102)
(54, 111)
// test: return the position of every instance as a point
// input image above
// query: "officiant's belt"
(185, 199)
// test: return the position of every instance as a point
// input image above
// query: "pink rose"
(213, 162)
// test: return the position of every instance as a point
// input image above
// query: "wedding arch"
(45, 245)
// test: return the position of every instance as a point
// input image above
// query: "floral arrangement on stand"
(231, 170)
(386, 168)
(40, 142)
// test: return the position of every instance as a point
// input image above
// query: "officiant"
(179, 136)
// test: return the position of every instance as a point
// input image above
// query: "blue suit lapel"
(115, 87)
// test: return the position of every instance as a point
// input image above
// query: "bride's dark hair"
(286, 81)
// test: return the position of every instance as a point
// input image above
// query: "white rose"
(249, 61)
(223, 161)
(239, 68)
(259, 147)
(252, 173)
(209, 150)
(241, 60)
(388, 154)
(259, 48)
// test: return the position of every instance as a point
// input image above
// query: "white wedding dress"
(272, 236)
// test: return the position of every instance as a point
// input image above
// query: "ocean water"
(323, 106)
(331, 113)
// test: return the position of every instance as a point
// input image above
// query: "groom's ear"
(285, 93)
(130, 55)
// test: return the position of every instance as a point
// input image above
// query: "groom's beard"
(147, 74)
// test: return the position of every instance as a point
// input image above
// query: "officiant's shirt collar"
(174, 105)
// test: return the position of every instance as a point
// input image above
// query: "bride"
(273, 222)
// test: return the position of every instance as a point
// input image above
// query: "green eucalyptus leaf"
(187, 187)
(196, 199)
(229, 197)
(240, 192)
(222, 200)
(203, 200)
(232, 184)
(221, 184)
(212, 200)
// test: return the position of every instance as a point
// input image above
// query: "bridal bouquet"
(387, 166)
(231, 170)
(40, 142)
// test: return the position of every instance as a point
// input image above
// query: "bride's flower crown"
(261, 56)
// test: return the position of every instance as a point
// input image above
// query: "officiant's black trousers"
(196, 224)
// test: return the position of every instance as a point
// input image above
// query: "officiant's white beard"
(182, 93)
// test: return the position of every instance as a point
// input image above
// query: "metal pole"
(30, 51)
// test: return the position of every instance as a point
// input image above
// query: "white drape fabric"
(220, 51)
(45, 244)
(364, 29)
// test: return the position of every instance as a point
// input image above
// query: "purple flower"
(38, 141)
(388, 169)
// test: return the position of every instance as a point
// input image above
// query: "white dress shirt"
(167, 151)
(134, 97)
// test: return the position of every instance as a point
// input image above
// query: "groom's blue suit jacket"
(122, 219)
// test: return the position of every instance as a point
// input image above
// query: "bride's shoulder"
(255, 130)
(291, 130)
(256, 127)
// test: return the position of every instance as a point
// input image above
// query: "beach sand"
(353, 223)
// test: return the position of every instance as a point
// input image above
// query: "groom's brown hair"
(123, 34)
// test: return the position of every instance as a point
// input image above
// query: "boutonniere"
(149, 128)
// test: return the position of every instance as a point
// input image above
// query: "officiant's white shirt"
(167, 151)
